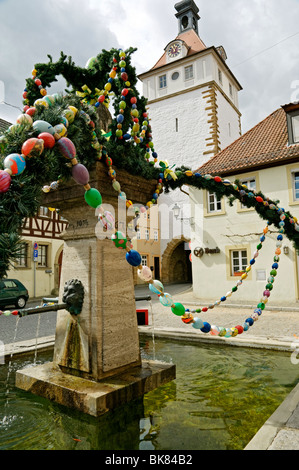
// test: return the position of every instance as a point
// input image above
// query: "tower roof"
(192, 41)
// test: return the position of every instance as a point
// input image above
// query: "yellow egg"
(41, 102)
(75, 110)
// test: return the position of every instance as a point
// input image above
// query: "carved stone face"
(73, 296)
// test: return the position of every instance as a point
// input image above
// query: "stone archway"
(176, 266)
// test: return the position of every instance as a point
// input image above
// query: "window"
(214, 202)
(10, 284)
(296, 185)
(155, 235)
(144, 260)
(293, 127)
(251, 185)
(162, 81)
(138, 234)
(238, 262)
(230, 89)
(44, 211)
(188, 72)
(220, 76)
(175, 75)
(42, 259)
(147, 234)
(176, 125)
(22, 260)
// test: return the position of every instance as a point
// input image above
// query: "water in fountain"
(6, 418)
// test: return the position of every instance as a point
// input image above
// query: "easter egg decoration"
(66, 148)
(107, 220)
(5, 180)
(48, 139)
(33, 147)
(133, 258)
(15, 163)
(80, 174)
(93, 197)
(156, 287)
(119, 240)
(43, 126)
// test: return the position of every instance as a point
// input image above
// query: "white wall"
(211, 280)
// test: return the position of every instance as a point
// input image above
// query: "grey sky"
(248, 30)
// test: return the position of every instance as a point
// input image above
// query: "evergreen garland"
(25, 194)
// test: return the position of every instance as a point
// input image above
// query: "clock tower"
(193, 105)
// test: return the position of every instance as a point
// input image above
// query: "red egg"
(38, 82)
(33, 147)
(30, 111)
(49, 140)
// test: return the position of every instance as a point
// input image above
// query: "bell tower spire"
(187, 15)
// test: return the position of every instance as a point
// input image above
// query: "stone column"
(103, 340)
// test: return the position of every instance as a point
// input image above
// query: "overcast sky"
(261, 39)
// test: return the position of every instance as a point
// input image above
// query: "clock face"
(174, 50)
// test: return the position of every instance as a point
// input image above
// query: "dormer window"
(292, 112)
(293, 126)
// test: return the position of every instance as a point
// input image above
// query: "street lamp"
(176, 212)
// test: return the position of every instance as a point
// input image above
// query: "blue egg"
(246, 326)
(249, 321)
(133, 258)
(120, 118)
(280, 237)
(223, 299)
(275, 266)
(206, 327)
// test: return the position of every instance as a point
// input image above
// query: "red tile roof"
(266, 144)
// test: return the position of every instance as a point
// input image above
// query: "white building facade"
(194, 111)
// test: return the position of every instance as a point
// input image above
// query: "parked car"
(13, 292)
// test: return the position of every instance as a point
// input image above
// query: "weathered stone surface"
(94, 398)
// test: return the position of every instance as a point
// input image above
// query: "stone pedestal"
(101, 342)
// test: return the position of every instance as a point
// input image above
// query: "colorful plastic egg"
(61, 130)
(49, 100)
(166, 300)
(234, 332)
(91, 63)
(43, 126)
(107, 220)
(48, 139)
(240, 329)
(5, 180)
(24, 119)
(15, 162)
(187, 318)
(80, 174)
(41, 102)
(31, 111)
(33, 147)
(66, 147)
(222, 331)
(214, 330)
(197, 323)
(145, 274)
(119, 240)
(133, 258)
(206, 327)
(64, 121)
(178, 309)
(69, 115)
(93, 197)
(156, 287)
(116, 185)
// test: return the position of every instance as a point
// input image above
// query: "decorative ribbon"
(168, 172)
(88, 96)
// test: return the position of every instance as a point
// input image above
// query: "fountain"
(96, 365)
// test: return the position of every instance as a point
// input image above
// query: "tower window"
(185, 22)
(162, 81)
(189, 72)
(175, 75)
(230, 89)
(220, 76)
(176, 125)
